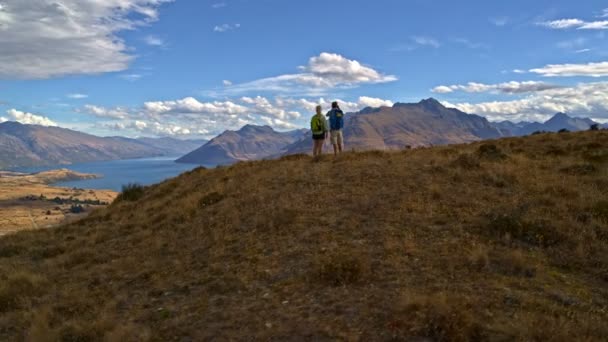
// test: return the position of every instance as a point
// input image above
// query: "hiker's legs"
(318, 147)
(338, 141)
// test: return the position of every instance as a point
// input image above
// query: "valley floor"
(27, 201)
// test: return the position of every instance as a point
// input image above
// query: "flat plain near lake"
(28, 201)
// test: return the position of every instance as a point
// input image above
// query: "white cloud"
(500, 21)
(101, 112)
(506, 88)
(374, 102)
(570, 70)
(562, 23)
(77, 96)
(29, 118)
(426, 41)
(219, 5)
(323, 72)
(154, 41)
(48, 38)
(519, 71)
(586, 99)
(261, 105)
(582, 50)
(226, 83)
(604, 13)
(226, 27)
(572, 44)
(191, 117)
(131, 77)
(190, 105)
(578, 24)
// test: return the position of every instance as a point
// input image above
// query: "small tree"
(594, 127)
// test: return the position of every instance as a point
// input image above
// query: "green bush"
(131, 192)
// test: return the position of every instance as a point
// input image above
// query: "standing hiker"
(318, 126)
(336, 124)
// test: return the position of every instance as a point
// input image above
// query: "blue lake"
(117, 173)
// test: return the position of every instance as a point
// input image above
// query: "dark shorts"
(318, 136)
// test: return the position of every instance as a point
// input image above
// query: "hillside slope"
(502, 240)
(31, 145)
(408, 124)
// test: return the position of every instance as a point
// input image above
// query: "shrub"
(20, 288)
(596, 156)
(76, 209)
(466, 161)
(342, 268)
(513, 226)
(435, 318)
(490, 152)
(131, 192)
(579, 169)
(513, 263)
(563, 130)
(600, 210)
(594, 127)
(210, 199)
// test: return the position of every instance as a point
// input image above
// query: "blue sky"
(193, 68)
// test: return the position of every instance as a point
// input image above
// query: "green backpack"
(317, 125)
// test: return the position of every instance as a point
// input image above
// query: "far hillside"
(503, 240)
(33, 145)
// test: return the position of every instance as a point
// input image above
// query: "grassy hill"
(501, 240)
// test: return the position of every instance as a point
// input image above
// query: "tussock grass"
(498, 240)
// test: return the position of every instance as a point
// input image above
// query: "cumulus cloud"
(192, 105)
(191, 117)
(562, 24)
(226, 27)
(374, 102)
(570, 70)
(29, 118)
(323, 72)
(261, 105)
(586, 99)
(101, 112)
(507, 87)
(226, 83)
(48, 38)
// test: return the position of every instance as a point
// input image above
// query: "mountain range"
(33, 145)
(249, 143)
(558, 122)
(403, 125)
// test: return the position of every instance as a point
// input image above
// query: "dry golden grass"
(18, 214)
(501, 240)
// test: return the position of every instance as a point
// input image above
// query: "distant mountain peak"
(561, 116)
(255, 128)
(430, 101)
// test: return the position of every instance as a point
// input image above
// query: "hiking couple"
(321, 130)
